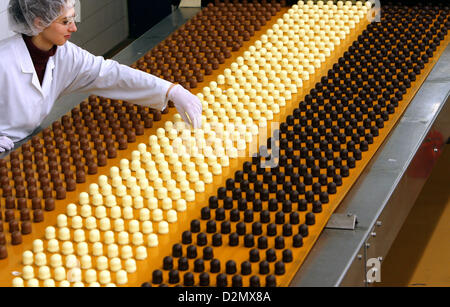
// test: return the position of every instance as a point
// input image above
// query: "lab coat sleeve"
(107, 78)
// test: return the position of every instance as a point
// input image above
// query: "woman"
(39, 65)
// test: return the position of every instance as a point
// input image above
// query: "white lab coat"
(24, 103)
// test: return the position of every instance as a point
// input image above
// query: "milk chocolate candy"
(36, 203)
(3, 252)
(16, 238)
(50, 202)
(13, 226)
(25, 214)
(38, 216)
(9, 215)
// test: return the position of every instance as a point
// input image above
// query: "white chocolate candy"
(121, 277)
(152, 203)
(115, 264)
(27, 258)
(91, 223)
(114, 171)
(123, 238)
(147, 227)
(125, 173)
(144, 214)
(116, 181)
(49, 283)
(152, 240)
(102, 180)
(90, 276)
(104, 277)
(27, 272)
(127, 201)
(124, 164)
(33, 283)
(137, 239)
(199, 186)
(86, 262)
(55, 261)
(126, 252)
(79, 235)
(141, 253)
(44, 273)
(133, 226)
(50, 233)
(97, 199)
(106, 190)
(171, 216)
(17, 282)
(97, 249)
(102, 263)
(86, 211)
(127, 213)
(163, 227)
(113, 251)
(94, 235)
(64, 234)
(67, 248)
(100, 212)
(181, 205)
(105, 224)
(108, 237)
(149, 192)
(167, 204)
(83, 198)
(93, 189)
(71, 262)
(71, 210)
(157, 215)
(38, 246)
(135, 165)
(82, 249)
(130, 265)
(40, 259)
(135, 191)
(77, 222)
(138, 202)
(116, 212)
(207, 177)
(216, 169)
(59, 273)
(190, 195)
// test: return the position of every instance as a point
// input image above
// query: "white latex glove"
(5, 144)
(186, 103)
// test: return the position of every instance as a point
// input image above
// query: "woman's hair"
(31, 17)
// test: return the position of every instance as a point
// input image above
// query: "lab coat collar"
(48, 77)
(26, 64)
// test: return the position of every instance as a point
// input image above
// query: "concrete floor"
(420, 255)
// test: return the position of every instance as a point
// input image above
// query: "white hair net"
(31, 17)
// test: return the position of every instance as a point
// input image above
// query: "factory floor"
(420, 255)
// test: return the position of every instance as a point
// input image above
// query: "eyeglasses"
(68, 21)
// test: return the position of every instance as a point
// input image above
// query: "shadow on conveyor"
(406, 264)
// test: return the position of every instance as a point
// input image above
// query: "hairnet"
(22, 14)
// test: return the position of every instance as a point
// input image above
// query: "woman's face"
(60, 31)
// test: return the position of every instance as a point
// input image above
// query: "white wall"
(104, 24)
(4, 29)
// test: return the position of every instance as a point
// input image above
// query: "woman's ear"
(39, 24)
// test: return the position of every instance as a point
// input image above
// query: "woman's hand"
(187, 104)
(5, 144)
